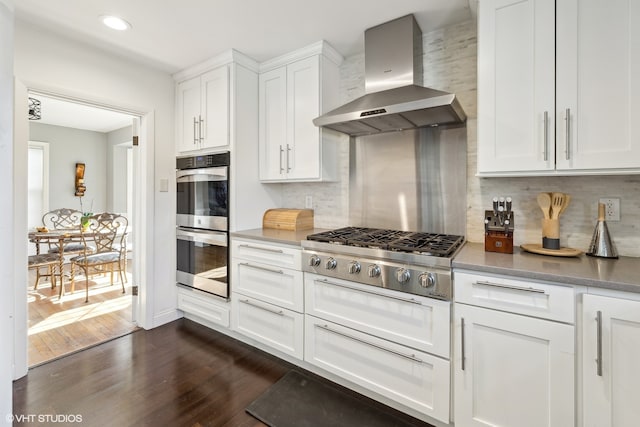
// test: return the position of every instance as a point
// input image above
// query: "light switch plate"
(164, 185)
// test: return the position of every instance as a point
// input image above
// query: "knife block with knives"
(499, 226)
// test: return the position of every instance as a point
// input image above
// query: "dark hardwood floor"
(179, 374)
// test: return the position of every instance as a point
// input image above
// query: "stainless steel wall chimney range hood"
(395, 98)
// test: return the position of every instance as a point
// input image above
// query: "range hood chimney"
(395, 98)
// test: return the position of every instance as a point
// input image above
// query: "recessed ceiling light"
(115, 22)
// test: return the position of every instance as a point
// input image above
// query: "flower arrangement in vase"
(84, 219)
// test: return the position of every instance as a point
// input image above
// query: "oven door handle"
(213, 237)
(327, 282)
(208, 174)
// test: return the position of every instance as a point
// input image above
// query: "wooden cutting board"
(538, 249)
(288, 219)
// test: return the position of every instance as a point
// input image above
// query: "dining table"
(58, 238)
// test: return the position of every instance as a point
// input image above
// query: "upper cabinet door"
(302, 153)
(516, 50)
(598, 84)
(188, 107)
(214, 110)
(273, 123)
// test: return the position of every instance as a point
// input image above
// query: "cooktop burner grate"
(394, 240)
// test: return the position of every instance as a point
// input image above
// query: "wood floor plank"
(179, 374)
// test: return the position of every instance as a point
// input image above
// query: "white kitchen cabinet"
(413, 378)
(267, 294)
(556, 95)
(512, 369)
(610, 361)
(200, 307)
(410, 320)
(390, 343)
(293, 90)
(268, 324)
(203, 111)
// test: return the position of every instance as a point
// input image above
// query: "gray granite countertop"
(285, 237)
(621, 274)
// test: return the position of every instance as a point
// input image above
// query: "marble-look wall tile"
(450, 63)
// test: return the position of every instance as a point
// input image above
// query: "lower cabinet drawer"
(410, 377)
(275, 285)
(204, 307)
(269, 324)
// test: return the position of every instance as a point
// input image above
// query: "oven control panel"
(412, 279)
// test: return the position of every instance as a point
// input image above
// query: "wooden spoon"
(557, 201)
(567, 199)
(544, 201)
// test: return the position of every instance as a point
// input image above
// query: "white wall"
(48, 62)
(68, 146)
(6, 209)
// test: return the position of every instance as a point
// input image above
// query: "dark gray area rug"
(298, 400)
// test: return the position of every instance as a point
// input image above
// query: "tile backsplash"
(450, 57)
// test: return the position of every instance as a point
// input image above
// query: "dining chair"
(36, 262)
(64, 219)
(106, 234)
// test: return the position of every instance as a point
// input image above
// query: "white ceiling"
(79, 116)
(175, 34)
(171, 35)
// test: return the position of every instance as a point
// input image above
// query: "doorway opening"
(70, 133)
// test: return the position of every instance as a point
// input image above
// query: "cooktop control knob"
(427, 280)
(354, 267)
(314, 261)
(330, 264)
(374, 270)
(403, 275)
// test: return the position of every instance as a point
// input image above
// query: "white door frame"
(142, 214)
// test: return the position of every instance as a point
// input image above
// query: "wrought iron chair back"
(104, 239)
(62, 218)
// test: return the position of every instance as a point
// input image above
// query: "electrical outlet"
(611, 208)
(308, 202)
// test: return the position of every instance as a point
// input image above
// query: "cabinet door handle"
(277, 251)
(201, 129)
(545, 150)
(288, 163)
(599, 343)
(281, 154)
(568, 133)
(370, 344)
(462, 342)
(270, 310)
(514, 288)
(327, 282)
(258, 267)
(195, 124)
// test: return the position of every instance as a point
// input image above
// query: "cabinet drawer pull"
(281, 154)
(462, 341)
(288, 162)
(201, 129)
(599, 343)
(195, 124)
(327, 282)
(514, 288)
(258, 267)
(370, 344)
(545, 151)
(277, 251)
(270, 310)
(568, 133)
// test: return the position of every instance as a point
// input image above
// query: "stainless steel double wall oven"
(202, 220)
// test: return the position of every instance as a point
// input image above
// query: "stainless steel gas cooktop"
(411, 262)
